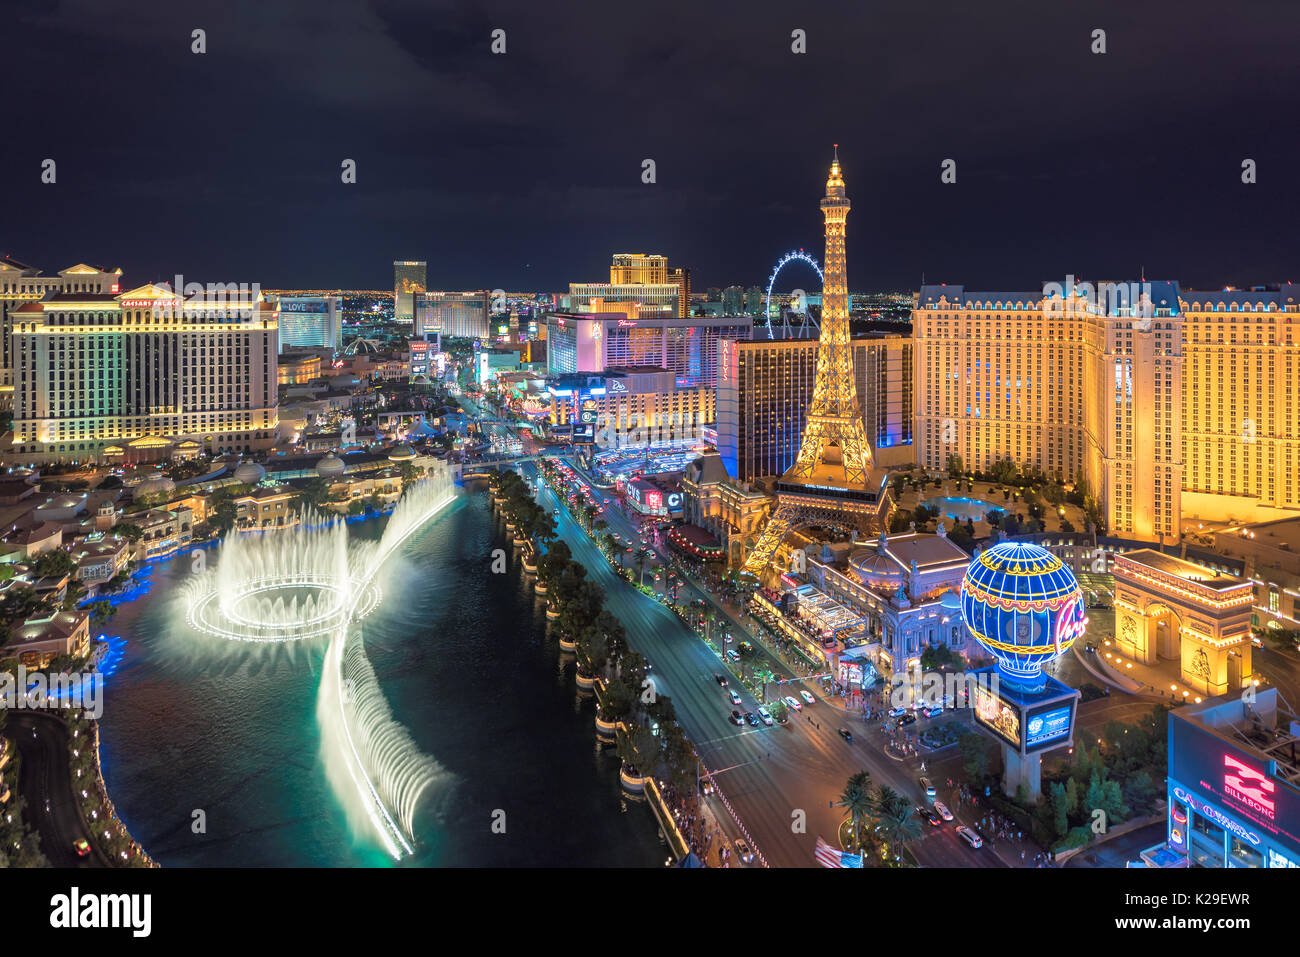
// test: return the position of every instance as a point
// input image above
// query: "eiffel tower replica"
(834, 481)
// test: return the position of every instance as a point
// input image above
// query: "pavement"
(45, 774)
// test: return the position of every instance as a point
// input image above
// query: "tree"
(856, 799)
(55, 564)
(1060, 813)
(100, 612)
(962, 537)
(956, 467)
(897, 823)
(976, 752)
(355, 507)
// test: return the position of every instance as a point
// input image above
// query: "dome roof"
(876, 568)
(250, 473)
(401, 453)
(1025, 606)
(156, 485)
(331, 466)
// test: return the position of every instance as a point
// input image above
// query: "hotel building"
(639, 286)
(409, 280)
(134, 377)
(595, 342)
(457, 315)
(310, 322)
(1167, 402)
(635, 406)
(1234, 783)
(20, 283)
(765, 387)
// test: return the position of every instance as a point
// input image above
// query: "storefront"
(1228, 804)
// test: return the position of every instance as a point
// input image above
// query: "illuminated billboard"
(1047, 726)
(1238, 782)
(996, 715)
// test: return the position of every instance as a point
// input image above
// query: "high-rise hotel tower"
(134, 377)
(1169, 403)
(20, 283)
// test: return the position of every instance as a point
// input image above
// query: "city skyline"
(1068, 161)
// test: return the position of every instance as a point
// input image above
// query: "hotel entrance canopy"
(824, 612)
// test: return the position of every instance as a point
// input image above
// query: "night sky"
(524, 170)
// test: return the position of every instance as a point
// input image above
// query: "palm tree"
(857, 800)
(641, 555)
(896, 821)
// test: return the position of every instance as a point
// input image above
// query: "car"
(751, 719)
(737, 718)
(926, 786)
(721, 680)
(897, 712)
(942, 810)
(743, 851)
(807, 697)
(793, 702)
(930, 815)
(765, 716)
(906, 720)
(82, 847)
(556, 512)
(846, 734)
(934, 712)
(734, 695)
(970, 836)
(733, 655)
(707, 787)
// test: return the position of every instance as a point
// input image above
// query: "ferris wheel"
(806, 323)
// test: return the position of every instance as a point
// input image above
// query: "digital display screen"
(1000, 718)
(1047, 726)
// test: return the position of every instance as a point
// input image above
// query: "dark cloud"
(523, 170)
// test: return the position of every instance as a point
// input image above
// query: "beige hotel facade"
(1172, 404)
(143, 376)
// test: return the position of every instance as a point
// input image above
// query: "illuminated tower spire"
(833, 481)
(834, 439)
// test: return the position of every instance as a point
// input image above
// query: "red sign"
(1250, 787)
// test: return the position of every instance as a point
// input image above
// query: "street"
(780, 781)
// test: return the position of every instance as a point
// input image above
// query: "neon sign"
(1071, 624)
(1217, 816)
(1245, 784)
(625, 323)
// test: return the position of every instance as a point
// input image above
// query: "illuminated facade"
(638, 406)
(20, 283)
(638, 268)
(129, 377)
(1167, 402)
(834, 480)
(409, 280)
(639, 287)
(1232, 783)
(1167, 607)
(455, 315)
(765, 388)
(310, 321)
(593, 343)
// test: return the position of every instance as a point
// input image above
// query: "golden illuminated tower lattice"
(832, 482)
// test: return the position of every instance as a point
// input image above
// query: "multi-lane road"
(782, 780)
